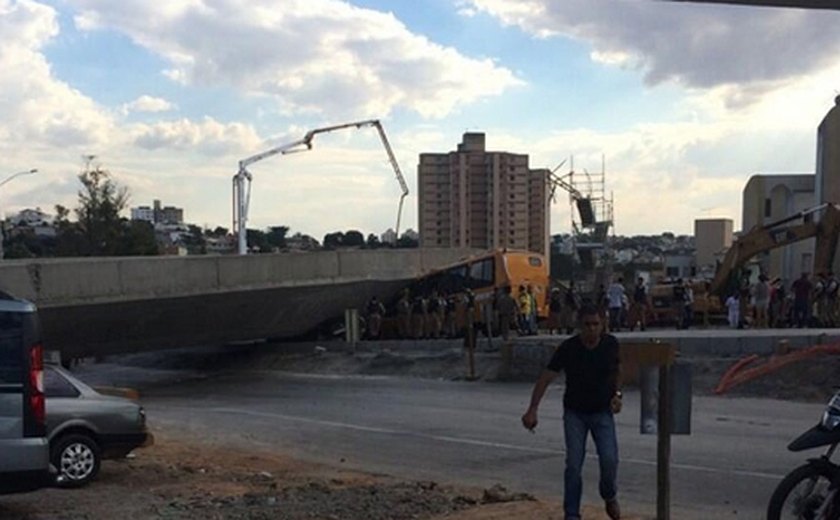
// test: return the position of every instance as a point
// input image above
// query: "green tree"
(258, 239)
(138, 239)
(68, 237)
(306, 242)
(17, 244)
(333, 240)
(99, 229)
(276, 236)
(353, 238)
(218, 232)
(373, 242)
(100, 202)
(406, 242)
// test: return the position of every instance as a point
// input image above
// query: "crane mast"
(242, 179)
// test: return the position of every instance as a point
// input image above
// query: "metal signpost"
(665, 388)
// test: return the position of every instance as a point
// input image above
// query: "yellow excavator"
(821, 222)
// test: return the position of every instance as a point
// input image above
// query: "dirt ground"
(179, 479)
(811, 380)
(175, 480)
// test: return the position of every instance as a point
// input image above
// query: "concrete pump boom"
(242, 179)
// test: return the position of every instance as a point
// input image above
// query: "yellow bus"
(484, 275)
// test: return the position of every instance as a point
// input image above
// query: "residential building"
(299, 242)
(410, 234)
(769, 198)
(220, 245)
(711, 236)
(388, 237)
(680, 264)
(828, 156)
(539, 237)
(157, 214)
(476, 198)
(828, 163)
(31, 218)
(143, 213)
(32, 221)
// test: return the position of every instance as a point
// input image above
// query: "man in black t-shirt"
(591, 362)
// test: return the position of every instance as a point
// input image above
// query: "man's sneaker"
(613, 511)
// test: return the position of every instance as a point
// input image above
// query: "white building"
(680, 264)
(143, 213)
(770, 198)
(388, 237)
(158, 214)
(31, 218)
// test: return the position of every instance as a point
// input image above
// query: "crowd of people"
(763, 303)
(619, 310)
(770, 304)
(439, 314)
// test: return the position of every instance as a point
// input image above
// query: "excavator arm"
(781, 233)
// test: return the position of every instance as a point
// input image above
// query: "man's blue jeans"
(602, 426)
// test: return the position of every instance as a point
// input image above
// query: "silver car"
(85, 426)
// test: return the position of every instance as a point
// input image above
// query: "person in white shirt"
(734, 308)
(615, 295)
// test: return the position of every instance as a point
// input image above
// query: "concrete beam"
(92, 306)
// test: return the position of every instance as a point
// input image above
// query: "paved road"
(469, 433)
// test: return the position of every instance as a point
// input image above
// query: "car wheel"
(77, 458)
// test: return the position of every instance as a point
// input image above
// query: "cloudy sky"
(684, 101)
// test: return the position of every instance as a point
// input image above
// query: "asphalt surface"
(469, 433)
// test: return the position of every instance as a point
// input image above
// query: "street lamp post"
(2, 221)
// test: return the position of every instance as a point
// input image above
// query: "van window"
(11, 348)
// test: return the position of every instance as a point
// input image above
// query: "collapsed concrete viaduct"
(96, 306)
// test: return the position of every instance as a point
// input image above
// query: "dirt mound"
(810, 380)
(180, 479)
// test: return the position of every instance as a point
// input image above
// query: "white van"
(24, 450)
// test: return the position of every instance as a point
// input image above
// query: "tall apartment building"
(474, 198)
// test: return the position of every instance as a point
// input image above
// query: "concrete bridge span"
(94, 306)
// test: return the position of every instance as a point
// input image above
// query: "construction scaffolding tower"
(592, 218)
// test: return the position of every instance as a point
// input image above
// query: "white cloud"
(323, 56)
(665, 175)
(147, 103)
(209, 137)
(316, 60)
(44, 122)
(34, 106)
(697, 45)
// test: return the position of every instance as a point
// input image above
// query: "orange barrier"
(739, 374)
(729, 374)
